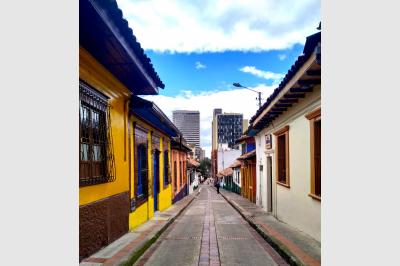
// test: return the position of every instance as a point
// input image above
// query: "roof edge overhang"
(153, 115)
(298, 81)
(284, 91)
(175, 145)
(126, 60)
(246, 156)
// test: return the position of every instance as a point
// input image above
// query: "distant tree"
(205, 167)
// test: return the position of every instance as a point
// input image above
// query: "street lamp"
(259, 92)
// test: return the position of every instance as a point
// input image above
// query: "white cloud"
(282, 57)
(238, 101)
(275, 77)
(199, 65)
(216, 26)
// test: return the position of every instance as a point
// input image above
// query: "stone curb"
(135, 256)
(290, 258)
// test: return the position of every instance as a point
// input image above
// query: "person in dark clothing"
(217, 185)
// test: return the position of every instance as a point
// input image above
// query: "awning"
(248, 155)
(236, 164)
(193, 162)
(226, 172)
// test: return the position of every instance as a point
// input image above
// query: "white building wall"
(292, 205)
(195, 182)
(236, 176)
(226, 158)
(261, 199)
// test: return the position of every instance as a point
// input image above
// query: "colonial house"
(193, 174)
(244, 168)
(248, 174)
(150, 160)
(112, 68)
(179, 156)
(288, 144)
(236, 176)
(226, 156)
(226, 178)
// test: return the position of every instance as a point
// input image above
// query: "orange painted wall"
(180, 158)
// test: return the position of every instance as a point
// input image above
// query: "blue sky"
(200, 47)
(199, 72)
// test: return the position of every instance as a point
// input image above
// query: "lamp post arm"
(258, 92)
(250, 89)
(259, 95)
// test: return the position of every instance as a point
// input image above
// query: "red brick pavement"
(209, 254)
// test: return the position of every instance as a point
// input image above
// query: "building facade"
(289, 149)
(202, 154)
(214, 142)
(229, 128)
(105, 90)
(245, 124)
(214, 162)
(237, 177)
(180, 156)
(193, 175)
(188, 122)
(150, 160)
(225, 128)
(226, 156)
(248, 175)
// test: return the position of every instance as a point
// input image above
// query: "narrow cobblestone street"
(210, 232)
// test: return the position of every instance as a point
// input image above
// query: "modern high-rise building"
(217, 111)
(226, 129)
(245, 124)
(188, 122)
(202, 154)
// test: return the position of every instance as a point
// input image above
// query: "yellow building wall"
(139, 216)
(150, 176)
(165, 200)
(146, 210)
(93, 73)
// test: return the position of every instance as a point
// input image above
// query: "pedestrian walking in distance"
(217, 185)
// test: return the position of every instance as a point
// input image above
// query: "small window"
(96, 160)
(166, 168)
(315, 148)
(282, 156)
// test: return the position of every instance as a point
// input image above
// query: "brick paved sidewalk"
(135, 242)
(291, 243)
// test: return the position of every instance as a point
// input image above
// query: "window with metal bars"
(141, 179)
(96, 157)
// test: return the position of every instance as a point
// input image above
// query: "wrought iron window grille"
(143, 189)
(96, 155)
